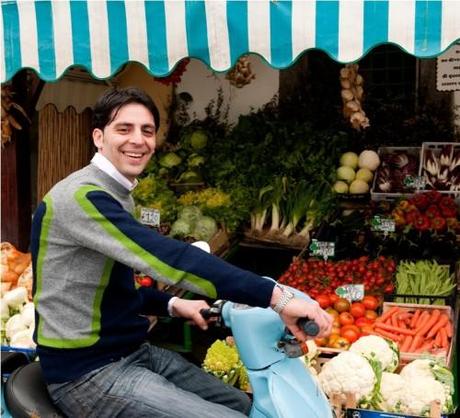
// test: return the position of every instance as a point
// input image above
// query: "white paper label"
(150, 216)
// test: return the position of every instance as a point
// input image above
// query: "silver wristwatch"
(283, 300)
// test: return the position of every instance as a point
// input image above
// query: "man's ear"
(98, 138)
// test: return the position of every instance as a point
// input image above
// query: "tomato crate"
(446, 356)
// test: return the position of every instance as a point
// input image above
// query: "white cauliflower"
(419, 394)
(425, 368)
(348, 372)
(392, 389)
(378, 348)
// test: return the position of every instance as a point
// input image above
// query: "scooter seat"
(26, 394)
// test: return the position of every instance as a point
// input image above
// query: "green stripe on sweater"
(171, 273)
(96, 319)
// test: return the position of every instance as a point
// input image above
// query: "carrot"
(425, 346)
(404, 315)
(415, 343)
(399, 330)
(422, 318)
(388, 314)
(444, 341)
(414, 318)
(443, 320)
(402, 324)
(437, 339)
(394, 320)
(387, 334)
(449, 330)
(406, 343)
(426, 326)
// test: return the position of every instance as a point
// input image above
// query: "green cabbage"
(205, 228)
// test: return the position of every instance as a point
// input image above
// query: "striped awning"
(102, 35)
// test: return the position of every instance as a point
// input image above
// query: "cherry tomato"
(146, 281)
(323, 300)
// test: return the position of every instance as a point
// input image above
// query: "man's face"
(128, 141)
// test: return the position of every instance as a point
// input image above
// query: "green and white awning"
(102, 35)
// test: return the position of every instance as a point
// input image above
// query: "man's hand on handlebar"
(190, 309)
(299, 308)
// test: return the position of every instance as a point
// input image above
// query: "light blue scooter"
(282, 386)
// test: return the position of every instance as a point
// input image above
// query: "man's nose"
(137, 137)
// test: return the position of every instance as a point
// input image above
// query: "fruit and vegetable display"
(427, 211)
(352, 96)
(351, 320)
(355, 174)
(441, 167)
(315, 276)
(417, 329)
(17, 319)
(13, 263)
(424, 277)
(371, 374)
(398, 170)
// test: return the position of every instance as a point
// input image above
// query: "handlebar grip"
(310, 327)
(207, 313)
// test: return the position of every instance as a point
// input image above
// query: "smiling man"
(90, 318)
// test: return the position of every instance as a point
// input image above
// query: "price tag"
(414, 182)
(381, 224)
(150, 216)
(351, 292)
(323, 249)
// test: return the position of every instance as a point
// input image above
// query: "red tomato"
(323, 300)
(146, 281)
(321, 342)
(350, 334)
(340, 343)
(372, 315)
(352, 326)
(357, 309)
(332, 312)
(370, 302)
(334, 297)
(342, 305)
(362, 321)
(367, 330)
(346, 318)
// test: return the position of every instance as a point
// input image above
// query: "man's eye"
(123, 130)
(148, 131)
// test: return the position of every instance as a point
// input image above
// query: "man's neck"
(104, 164)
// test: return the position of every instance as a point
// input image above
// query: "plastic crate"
(436, 148)
(377, 195)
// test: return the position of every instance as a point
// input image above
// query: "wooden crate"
(444, 356)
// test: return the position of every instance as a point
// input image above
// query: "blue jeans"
(151, 382)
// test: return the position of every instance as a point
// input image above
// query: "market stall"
(367, 206)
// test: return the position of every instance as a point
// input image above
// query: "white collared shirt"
(107, 167)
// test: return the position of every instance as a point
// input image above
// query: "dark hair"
(106, 108)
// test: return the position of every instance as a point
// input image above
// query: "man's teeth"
(133, 154)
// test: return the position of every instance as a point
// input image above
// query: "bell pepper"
(411, 216)
(433, 196)
(422, 222)
(438, 224)
(433, 211)
(420, 200)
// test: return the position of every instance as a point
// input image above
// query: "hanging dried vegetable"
(352, 96)
(9, 107)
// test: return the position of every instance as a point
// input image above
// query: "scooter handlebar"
(310, 327)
